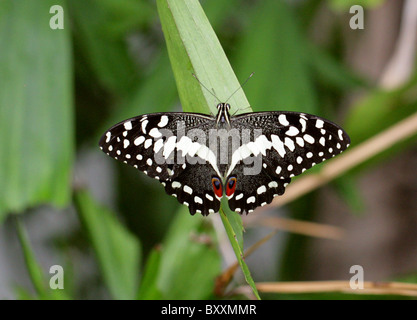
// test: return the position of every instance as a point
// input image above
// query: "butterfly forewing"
(292, 142)
(253, 191)
(159, 145)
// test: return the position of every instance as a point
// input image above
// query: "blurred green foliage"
(111, 62)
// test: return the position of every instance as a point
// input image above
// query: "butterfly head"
(223, 115)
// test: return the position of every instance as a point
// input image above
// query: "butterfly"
(249, 158)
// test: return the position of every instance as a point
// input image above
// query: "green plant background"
(118, 235)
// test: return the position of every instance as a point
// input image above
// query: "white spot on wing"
(188, 189)
(303, 123)
(300, 141)
(308, 138)
(128, 125)
(289, 143)
(319, 123)
(251, 200)
(176, 184)
(239, 196)
(163, 121)
(184, 144)
(292, 131)
(283, 120)
(155, 133)
(273, 184)
(340, 133)
(253, 148)
(158, 145)
(139, 140)
(169, 146)
(144, 124)
(278, 145)
(206, 154)
(148, 143)
(261, 190)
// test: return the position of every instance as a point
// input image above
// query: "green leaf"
(239, 252)
(118, 252)
(235, 221)
(273, 47)
(100, 29)
(36, 273)
(36, 115)
(193, 47)
(34, 269)
(149, 288)
(190, 260)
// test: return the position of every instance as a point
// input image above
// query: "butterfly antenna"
(240, 87)
(205, 87)
(241, 109)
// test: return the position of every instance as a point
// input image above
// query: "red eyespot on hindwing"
(217, 187)
(230, 186)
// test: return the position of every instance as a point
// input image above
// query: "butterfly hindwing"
(192, 187)
(253, 191)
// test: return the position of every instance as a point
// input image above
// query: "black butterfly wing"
(253, 191)
(287, 144)
(193, 188)
(159, 145)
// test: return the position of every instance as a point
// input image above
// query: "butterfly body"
(249, 158)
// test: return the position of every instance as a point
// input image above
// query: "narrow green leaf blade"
(36, 274)
(149, 288)
(34, 269)
(118, 252)
(238, 252)
(193, 47)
